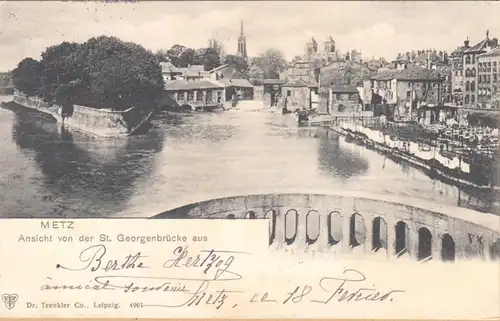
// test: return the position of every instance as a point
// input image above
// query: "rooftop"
(181, 84)
(344, 89)
(412, 73)
(493, 53)
(297, 83)
(228, 82)
(168, 67)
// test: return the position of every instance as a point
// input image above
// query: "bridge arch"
(334, 228)
(251, 215)
(272, 216)
(402, 238)
(231, 217)
(291, 225)
(379, 234)
(424, 244)
(447, 248)
(312, 226)
(357, 230)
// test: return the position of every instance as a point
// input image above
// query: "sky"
(377, 29)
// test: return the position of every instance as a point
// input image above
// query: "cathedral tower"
(242, 43)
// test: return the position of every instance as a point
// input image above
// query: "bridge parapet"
(360, 226)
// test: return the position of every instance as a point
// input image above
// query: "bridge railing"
(351, 225)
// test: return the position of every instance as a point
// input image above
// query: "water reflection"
(337, 160)
(83, 178)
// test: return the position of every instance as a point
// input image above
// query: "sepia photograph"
(366, 130)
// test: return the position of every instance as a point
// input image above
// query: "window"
(288, 93)
(199, 95)
(473, 86)
(472, 99)
(408, 94)
(456, 73)
(467, 59)
(467, 72)
(219, 96)
(466, 99)
(190, 95)
(488, 78)
(473, 59)
(473, 70)
(209, 96)
(182, 96)
(467, 86)
(352, 96)
(338, 96)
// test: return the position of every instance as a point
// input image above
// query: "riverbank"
(102, 123)
(431, 166)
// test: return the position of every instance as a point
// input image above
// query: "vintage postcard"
(240, 159)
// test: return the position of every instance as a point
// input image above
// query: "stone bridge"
(343, 225)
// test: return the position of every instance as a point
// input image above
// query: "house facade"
(343, 99)
(470, 65)
(408, 89)
(457, 74)
(196, 94)
(297, 94)
(488, 79)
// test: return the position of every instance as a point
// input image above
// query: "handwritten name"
(220, 261)
(92, 258)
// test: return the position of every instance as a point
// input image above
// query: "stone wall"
(94, 121)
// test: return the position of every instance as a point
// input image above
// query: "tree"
(103, 72)
(218, 47)
(120, 75)
(240, 63)
(272, 62)
(59, 65)
(208, 57)
(26, 76)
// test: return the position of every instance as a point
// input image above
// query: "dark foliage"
(26, 76)
(103, 72)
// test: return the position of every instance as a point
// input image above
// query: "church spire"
(242, 43)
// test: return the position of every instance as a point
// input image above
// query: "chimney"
(466, 43)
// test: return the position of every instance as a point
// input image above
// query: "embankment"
(104, 123)
(430, 161)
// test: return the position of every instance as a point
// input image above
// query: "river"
(49, 171)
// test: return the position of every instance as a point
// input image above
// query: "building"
(300, 70)
(311, 49)
(242, 43)
(196, 94)
(236, 82)
(298, 94)
(329, 52)
(344, 73)
(457, 74)
(193, 72)
(6, 83)
(170, 72)
(343, 98)
(470, 66)
(407, 89)
(271, 90)
(488, 79)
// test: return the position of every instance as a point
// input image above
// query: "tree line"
(103, 72)
(268, 64)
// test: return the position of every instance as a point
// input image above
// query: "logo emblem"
(10, 300)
